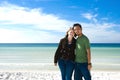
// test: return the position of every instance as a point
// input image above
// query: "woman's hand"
(55, 64)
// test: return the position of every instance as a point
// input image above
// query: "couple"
(74, 54)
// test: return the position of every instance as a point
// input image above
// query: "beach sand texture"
(54, 75)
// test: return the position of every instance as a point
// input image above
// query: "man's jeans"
(81, 70)
(66, 68)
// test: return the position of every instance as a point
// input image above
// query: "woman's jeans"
(81, 70)
(66, 68)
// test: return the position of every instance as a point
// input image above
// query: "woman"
(65, 55)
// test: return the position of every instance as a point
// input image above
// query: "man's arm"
(89, 58)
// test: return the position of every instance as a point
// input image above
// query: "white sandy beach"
(54, 75)
(41, 71)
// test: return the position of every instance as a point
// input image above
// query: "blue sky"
(46, 21)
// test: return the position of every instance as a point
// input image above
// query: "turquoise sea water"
(104, 56)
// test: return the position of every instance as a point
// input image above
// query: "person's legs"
(70, 65)
(85, 72)
(77, 73)
(62, 67)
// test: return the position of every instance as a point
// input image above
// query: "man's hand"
(90, 67)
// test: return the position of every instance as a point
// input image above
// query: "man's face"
(77, 30)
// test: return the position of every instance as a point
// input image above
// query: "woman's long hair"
(68, 31)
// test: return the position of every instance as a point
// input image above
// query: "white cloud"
(87, 16)
(30, 36)
(99, 32)
(41, 23)
(19, 15)
(90, 16)
(10, 36)
(47, 27)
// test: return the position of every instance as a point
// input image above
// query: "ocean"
(39, 56)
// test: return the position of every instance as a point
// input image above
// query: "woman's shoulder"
(63, 39)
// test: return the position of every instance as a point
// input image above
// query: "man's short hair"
(77, 24)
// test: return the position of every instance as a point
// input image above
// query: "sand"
(54, 75)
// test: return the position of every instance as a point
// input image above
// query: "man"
(83, 55)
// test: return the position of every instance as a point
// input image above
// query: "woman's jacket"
(65, 51)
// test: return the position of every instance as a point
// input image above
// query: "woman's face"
(71, 32)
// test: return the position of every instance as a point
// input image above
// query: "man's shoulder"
(84, 36)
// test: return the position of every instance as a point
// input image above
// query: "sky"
(46, 21)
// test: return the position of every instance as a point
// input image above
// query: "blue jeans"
(81, 70)
(66, 68)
